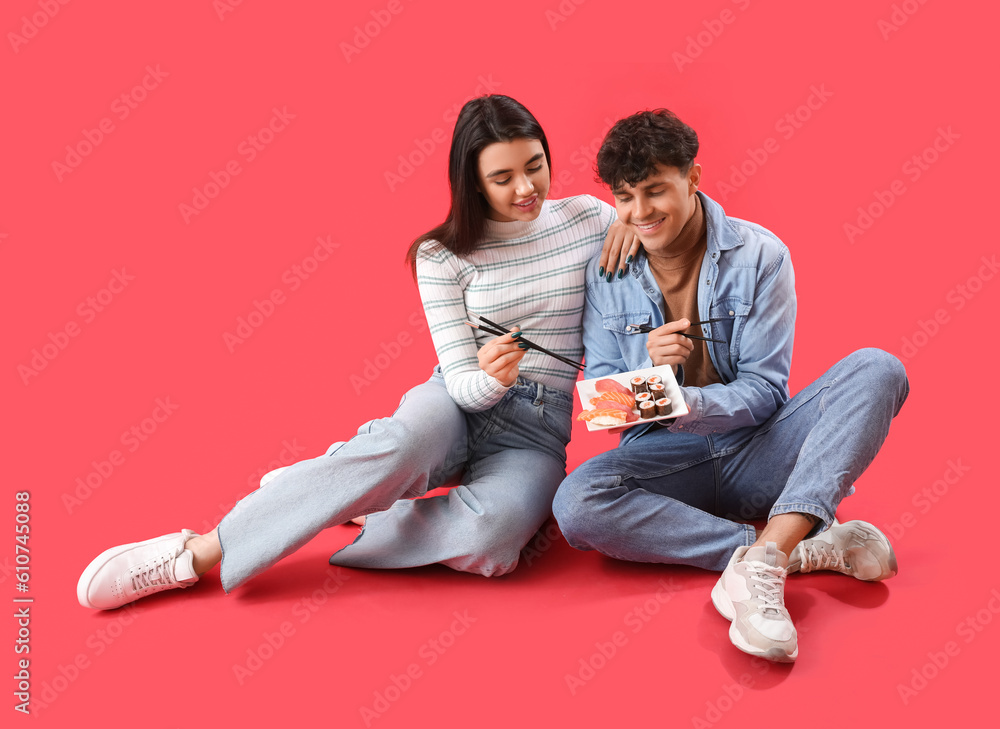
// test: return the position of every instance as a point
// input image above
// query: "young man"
(672, 491)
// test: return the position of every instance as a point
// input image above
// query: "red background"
(576, 65)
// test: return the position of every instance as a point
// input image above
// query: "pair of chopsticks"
(498, 331)
(645, 329)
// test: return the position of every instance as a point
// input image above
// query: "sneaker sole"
(83, 586)
(775, 654)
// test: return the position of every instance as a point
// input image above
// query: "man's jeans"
(673, 497)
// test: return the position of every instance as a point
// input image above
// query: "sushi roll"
(663, 406)
(657, 390)
(654, 380)
(647, 409)
(638, 385)
(643, 397)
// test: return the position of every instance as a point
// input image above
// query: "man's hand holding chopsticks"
(667, 347)
(501, 356)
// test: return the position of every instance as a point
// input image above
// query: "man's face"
(658, 207)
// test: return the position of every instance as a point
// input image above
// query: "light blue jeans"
(675, 497)
(511, 457)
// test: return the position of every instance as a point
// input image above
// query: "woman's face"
(514, 179)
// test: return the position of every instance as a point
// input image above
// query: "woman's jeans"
(513, 457)
(674, 498)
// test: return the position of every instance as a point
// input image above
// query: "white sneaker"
(854, 548)
(123, 574)
(751, 594)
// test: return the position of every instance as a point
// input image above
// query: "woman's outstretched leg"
(478, 527)
(517, 461)
(404, 455)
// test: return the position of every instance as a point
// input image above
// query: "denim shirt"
(746, 279)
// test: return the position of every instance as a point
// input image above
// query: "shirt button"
(732, 313)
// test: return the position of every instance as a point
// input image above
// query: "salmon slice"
(625, 398)
(607, 385)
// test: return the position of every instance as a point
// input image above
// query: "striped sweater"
(524, 273)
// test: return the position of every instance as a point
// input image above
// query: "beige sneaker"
(751, 594)
(854, 548)
(123, 574)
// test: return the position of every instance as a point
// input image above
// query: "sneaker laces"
(821, 556)
(770, 583)
(164, 565)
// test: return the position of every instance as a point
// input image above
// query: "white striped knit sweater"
(524, 273)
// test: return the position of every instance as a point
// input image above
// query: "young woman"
(494, 411)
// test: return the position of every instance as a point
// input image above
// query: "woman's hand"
(500, 357)
(665, 346)
(620, 247)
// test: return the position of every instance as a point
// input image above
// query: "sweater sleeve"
(440, 279)
(606, 215)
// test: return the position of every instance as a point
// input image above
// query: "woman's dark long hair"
(482, 122)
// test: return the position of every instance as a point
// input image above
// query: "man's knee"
(572, 514)
(885, 370)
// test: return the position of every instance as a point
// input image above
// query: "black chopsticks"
(499, 331)
(645, 329)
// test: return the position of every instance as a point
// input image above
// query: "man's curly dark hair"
(636, 144)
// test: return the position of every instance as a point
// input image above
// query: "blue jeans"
(674, 497)
(513, 457)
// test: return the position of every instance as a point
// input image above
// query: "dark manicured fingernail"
(609, 276)
(522, 345)
(621, 273)
(515, 335)
(629, 259)
(601, 272)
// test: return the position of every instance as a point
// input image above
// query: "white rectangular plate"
(587, 389)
